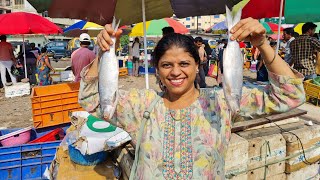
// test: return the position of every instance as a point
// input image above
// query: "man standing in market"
(288, 36)
(203, 60)
(82, 56)
(304, 49)
(7, 59)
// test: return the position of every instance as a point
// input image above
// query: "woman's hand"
(104, 37)
(249, 29)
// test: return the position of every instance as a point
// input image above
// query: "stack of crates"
(52, 105)
(51, 109)
(29, 161)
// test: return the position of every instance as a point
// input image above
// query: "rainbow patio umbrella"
(298, 27)
(271, 28)
(154, 27)
(83, 27)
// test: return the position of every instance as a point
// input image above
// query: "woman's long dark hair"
(136, 40)
(178, 40)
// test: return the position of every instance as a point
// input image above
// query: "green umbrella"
(294, 11)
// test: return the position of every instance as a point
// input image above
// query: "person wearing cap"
(304, 49)
(81, 57)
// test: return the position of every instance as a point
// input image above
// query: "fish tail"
(237, 17)
(232, 20)
(113, 22)
(229, 19)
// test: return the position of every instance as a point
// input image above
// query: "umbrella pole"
(24, 57)
(279, 26)
(145, 44)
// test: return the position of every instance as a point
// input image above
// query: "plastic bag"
(213, 70)
(95, 135)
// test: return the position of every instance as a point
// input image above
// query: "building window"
(192, 24)
(199, 17)
(18, 2)
(199, 24)
(216, 16)
(8, 3)
(187, 26)
(188, 19)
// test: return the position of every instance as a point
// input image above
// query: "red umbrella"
(261, 9)
(271, 27)
(294, 11)
(26, 23)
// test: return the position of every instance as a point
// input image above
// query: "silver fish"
(108, 78)
(232, 67)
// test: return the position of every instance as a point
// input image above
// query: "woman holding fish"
(187, 129)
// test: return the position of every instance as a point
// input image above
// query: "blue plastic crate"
(28, 161)
(151, 70)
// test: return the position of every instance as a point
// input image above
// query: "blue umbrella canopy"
(82, 27)
(220, 26)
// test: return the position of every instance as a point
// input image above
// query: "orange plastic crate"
(123, 71)
(51, 105)
(247, 65)
(312, 92)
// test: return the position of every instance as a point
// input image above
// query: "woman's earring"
(162, 87)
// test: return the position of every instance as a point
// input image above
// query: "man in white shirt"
(288, 37)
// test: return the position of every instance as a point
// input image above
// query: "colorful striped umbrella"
(298, 27)
(154, 27)
(294, 11)
(220, 26)
(271, 27)
(83, 27)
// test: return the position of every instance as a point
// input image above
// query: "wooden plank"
(309, 172)
(309, 118)
(125, 160)
(241, 126)
(238, 147)
(281, 122)
(259, 154)
(270, 130)
(286, 115)
(281, 176)
(309, 137)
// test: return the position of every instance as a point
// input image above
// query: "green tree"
(124, 40)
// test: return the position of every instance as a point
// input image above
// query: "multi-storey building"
(203, 22)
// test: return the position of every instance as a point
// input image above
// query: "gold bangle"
(274, 57)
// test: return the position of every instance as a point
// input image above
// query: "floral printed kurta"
(189, 143)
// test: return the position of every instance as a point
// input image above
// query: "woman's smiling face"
(177, 71)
